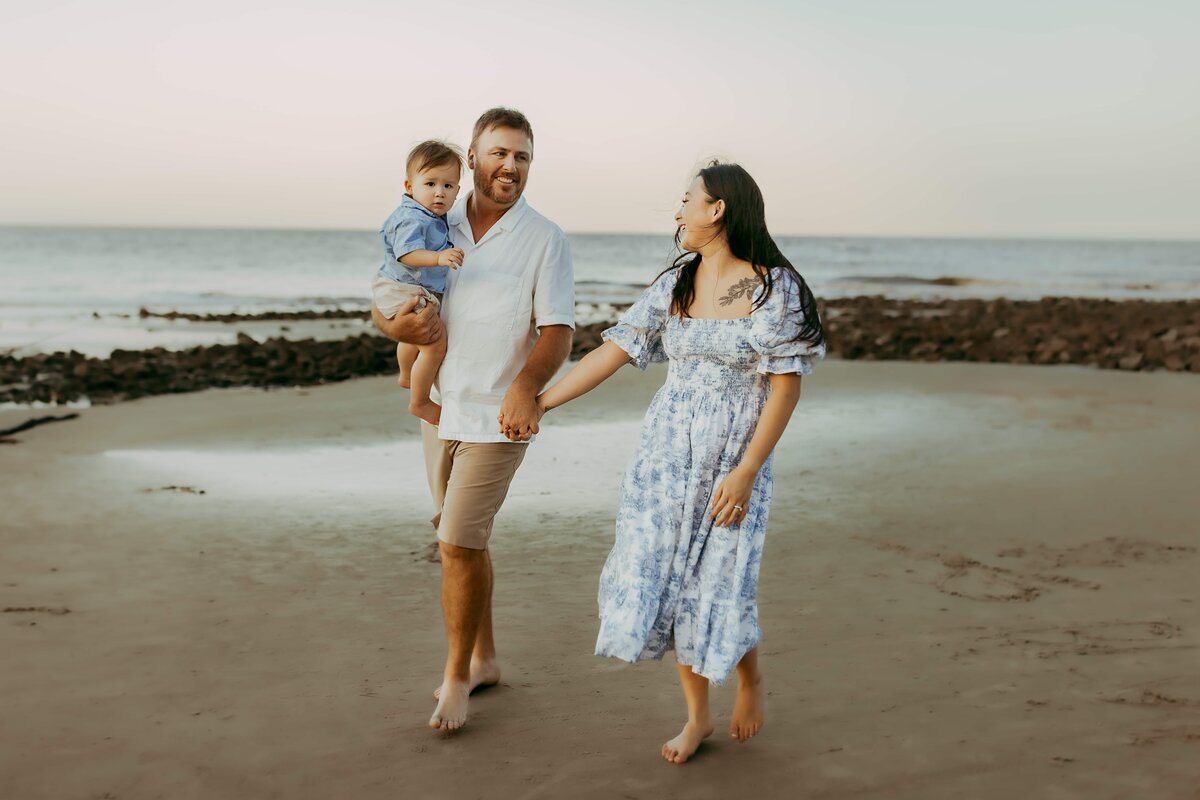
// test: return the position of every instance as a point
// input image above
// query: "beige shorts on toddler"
(389, 295)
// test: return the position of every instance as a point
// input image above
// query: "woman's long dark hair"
(745, 226)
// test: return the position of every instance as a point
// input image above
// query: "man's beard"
(486, 188)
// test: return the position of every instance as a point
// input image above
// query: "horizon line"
(875, 236)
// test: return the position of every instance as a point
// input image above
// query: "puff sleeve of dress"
(639, 330)
(774, 329)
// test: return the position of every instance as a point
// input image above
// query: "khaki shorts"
(469, 481)
(389, 295)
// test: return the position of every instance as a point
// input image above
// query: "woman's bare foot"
(451, 711)
(747, 710)
(681, 748)
(427, 410)
(481, 675)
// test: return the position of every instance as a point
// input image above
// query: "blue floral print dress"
(673, 580)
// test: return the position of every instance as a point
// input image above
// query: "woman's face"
(697, 217)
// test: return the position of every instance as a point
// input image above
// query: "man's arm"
(420, 327)
(519, 411)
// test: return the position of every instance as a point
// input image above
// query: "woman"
(739, 327)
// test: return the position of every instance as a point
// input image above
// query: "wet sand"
(978, 582)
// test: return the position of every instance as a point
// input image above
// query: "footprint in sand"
(972, 579)
(1148, 698)
(1029, 577)
(1182, 734)
(1112, 551)
(25, 622)
(1096, 638)
(1181, 691)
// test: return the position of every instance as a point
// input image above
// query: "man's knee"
(461, 555)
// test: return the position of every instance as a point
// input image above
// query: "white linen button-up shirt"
(514, 280)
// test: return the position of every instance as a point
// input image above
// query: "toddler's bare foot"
(681, 748)
(426, 409)
(482, 674)
(404, 381)
(747, 710)
(451, 711)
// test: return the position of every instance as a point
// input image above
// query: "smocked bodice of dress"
(711, 356)
(718, 354)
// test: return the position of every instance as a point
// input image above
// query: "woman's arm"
(591, 371)
(736, 487)
(785, 394)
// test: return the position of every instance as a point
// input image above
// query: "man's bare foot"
(681, 748)
(482, 675)
(747, 710)
(427, 410)
(404, 381)
(451, 711)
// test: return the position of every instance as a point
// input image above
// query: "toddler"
(417, 240)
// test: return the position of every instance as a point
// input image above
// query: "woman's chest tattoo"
(742, 288)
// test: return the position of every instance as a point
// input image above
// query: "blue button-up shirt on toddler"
(414, 227)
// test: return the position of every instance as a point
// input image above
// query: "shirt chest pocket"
(492, 303)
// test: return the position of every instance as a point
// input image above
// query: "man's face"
(501, 159)
(435, 187)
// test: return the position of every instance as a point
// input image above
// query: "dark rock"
(1132, 335)
(1130, 362)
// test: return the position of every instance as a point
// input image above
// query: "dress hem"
(605, 652)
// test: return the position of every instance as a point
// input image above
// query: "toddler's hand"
(452, 258)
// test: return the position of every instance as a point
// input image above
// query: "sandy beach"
(979, 582)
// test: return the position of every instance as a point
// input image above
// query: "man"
(508, 315)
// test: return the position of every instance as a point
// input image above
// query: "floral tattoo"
(740, 289)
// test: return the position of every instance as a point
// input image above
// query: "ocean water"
(81, 288)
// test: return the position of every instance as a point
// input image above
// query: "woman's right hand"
(731, 501)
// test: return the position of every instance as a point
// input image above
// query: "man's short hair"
(432, 153)
(501, 117)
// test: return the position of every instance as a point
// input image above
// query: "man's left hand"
(519, 415)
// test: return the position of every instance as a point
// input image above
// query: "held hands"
(732, 498)
(452, 258)
(519, 415)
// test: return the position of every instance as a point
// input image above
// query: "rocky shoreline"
(266, 316)
(1126, 335)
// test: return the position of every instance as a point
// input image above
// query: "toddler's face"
(435, 187)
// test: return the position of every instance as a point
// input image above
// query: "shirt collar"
(409, 202)
(457, 215)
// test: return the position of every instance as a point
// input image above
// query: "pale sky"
(1055, 118)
